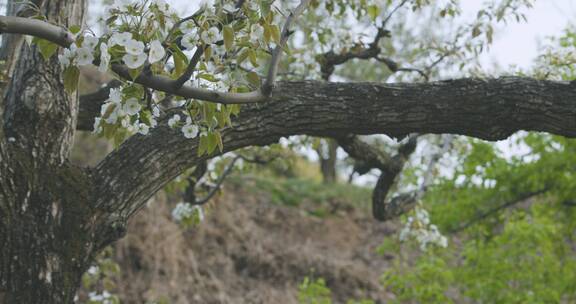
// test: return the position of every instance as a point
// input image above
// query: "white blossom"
(156, 112)
(134, 61)
(115, 95)
(134, 47)
(419, 228)
(132, 106)
(184, 210)
(153, 123)
(188, 27)
(162, 6)
(84, 56)
(104, 58)
(90, 42)
(157, 51)
(229, 7)
(190, 131)
(125, 123)
(174, 120)
(210, 36)
(256, 33)
(189, 40)
(93, 270)
(97, 129)
(121, 39)
(112, 117)
(66, 57)
(143, 129)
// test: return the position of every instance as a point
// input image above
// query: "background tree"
(182, 80)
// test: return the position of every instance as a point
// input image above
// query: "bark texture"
(488, 109)
(43, 200)
(54, 217)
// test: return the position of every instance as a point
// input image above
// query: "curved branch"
(489, 109)
(170, 86)
(36, 28)
(60, 36)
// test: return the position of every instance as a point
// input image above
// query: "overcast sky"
(517, 43)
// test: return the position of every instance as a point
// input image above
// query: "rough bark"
(55, 217)
(327, 152)
(44, 202)
(488, 109)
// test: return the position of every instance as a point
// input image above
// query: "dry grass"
(248, 251)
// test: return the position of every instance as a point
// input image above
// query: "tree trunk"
(45, 232)
(328, 157)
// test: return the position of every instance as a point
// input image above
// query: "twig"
(484, 215)
(190, 69)
(277, 53)
(385, 22)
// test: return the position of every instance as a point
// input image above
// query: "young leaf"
(47, 48)
(71, 75)
(373, 12)
(253, 79)
(228, 37)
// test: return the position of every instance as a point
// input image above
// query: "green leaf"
(242, 56)
(476, 31)
(373, 12)
(71, 75)
(134, 73)
(202, 145)
(211, 142)
(208, 77)
(47, 48)
(265, 6)
(207, 53)
(75, 29)
(253, 58)
(219, 142)
(253, 79)
(267, 33)
(275, 33)
(180, 61)
(228, 37)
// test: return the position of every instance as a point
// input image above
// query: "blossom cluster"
(104, 298)
(420, 229)
(149, 37)
(186, 212)
(126, 111)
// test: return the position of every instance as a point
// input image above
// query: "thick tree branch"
(36, 28)
(489, 109)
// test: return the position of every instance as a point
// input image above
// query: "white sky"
(514, 44)
(517, 43)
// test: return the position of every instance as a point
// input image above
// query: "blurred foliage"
(315, 291)
(513, 218)
(315, 197)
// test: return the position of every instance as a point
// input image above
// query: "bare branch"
(219, 182)
(170, 86)
(191, 67)
(482, 215)
(36, 28)
(385, 22)
(277, 53)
